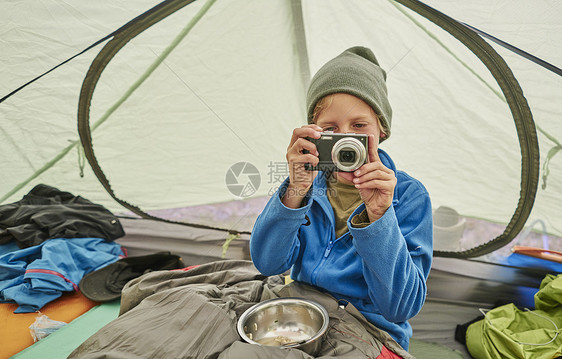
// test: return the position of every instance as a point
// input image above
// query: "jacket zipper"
(328, 249)
(327, 252)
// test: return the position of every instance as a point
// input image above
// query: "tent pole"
(300, 42)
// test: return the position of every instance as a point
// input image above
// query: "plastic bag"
(43, 326)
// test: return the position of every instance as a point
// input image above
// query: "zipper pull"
(328, 249)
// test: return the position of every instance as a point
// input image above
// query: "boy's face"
(349, 114)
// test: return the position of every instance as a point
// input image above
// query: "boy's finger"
(373, 153)
(304, 131)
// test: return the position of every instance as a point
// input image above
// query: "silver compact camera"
(340, 152)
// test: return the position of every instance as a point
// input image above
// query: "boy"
(364, 236)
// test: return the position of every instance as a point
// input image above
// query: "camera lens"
(347, 156)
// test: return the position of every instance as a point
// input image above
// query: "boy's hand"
(375, 183)
(301, 179)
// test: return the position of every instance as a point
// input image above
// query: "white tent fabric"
(233, 90)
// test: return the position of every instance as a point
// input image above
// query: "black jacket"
(46, 212)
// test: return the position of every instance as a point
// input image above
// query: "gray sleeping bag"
(193, 314)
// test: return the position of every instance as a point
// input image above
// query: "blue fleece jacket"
(381, 268)
(37, 275)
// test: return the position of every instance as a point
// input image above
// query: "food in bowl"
(285, 323)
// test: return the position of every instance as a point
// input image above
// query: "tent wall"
(232, 91)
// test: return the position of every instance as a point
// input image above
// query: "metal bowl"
(285, 323)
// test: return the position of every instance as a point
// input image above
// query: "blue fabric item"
(8, 247)
(34, 276)
(381, 269)
(521, 260)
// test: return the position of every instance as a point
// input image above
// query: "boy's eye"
(331, 128)
(359, 125)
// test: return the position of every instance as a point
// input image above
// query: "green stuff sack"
(549, 296)
(508, 332)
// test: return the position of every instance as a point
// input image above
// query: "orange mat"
(14, 328)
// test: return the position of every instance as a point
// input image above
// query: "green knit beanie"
(356, 72)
